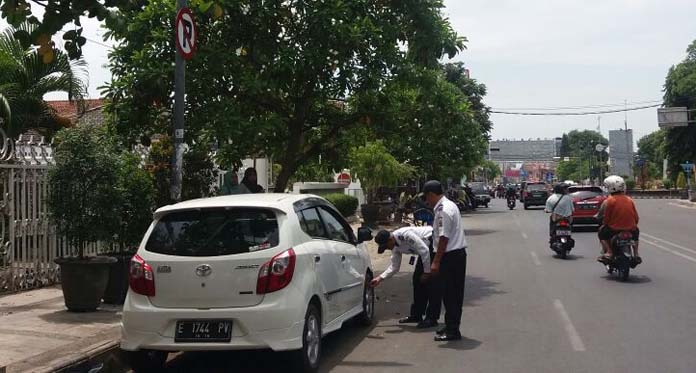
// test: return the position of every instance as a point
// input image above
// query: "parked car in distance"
(535, 194)
(586, 202)
(481, 194)
(251, 271)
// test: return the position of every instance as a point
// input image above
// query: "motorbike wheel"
(624, 274)
(563, 254)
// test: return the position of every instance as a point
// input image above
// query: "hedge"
(344, 203)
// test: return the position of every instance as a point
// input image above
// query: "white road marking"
(535, 258)
(677, 253)
(573, 335)
(517, 222)
(681, 205)
(524, 235)
(668, 243)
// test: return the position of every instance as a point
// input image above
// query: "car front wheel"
(307, 358)
(367, 316)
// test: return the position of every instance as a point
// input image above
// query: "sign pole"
(179, 91)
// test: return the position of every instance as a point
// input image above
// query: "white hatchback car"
(249, 271)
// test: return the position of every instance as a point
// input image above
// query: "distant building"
(621, 152)
(526, 159)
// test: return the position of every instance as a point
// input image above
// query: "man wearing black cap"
(450, 258)
(427, 298)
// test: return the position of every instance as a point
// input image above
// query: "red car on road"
(586, 200)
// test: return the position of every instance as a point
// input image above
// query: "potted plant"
(83, 204)
(374, 167)
(135, 214)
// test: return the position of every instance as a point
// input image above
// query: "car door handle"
(317, 259)
(343, 258)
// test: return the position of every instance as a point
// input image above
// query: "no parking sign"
(186, 33)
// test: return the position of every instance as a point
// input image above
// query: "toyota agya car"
(252, 271)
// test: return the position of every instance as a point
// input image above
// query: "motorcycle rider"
(560, 205)
(511, 192)
(618, 214)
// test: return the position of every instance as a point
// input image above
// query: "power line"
(576, 107)
(577, 113)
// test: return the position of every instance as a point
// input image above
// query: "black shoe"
(410, 320)
(448, 336)
(427, 323)
(441, 330)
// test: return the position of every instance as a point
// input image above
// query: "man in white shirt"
(560, 205)
(450, 258)
(427, 299)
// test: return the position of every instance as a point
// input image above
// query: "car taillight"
(141, 278)
(625, 235)
(276, 273)
(526, 194)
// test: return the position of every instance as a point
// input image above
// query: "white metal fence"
(28, 242)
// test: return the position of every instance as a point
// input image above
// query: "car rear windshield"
(478, 187)
(586, 193)
(213, 232)
(536, 187)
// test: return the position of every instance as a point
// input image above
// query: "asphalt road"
(527, 311)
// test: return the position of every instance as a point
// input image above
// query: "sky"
(547, 53)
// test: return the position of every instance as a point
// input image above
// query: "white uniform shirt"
(448, 223)
(564, 208)
(409, 240)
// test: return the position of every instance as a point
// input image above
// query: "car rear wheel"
(307, 358)
(367, 316)
(526, 206)
(146, 360)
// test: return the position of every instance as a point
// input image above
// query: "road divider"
(573, 335)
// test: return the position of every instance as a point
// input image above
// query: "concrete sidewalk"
(38, 334)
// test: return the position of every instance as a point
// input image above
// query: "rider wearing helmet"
(619, 214)
(560, 205)
(511, 191)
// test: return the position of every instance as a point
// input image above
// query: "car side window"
(311, 223)
(335, 229)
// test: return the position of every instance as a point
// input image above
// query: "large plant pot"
(84, 281)
(117, 287)
(370, 214)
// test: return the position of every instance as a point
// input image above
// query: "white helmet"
(615, 184)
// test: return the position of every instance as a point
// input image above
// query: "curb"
(69, 355)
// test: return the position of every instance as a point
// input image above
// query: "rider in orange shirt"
(619, 214)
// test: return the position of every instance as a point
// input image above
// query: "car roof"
(579, 188)
(278, 201)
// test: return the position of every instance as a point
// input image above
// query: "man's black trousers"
(427, 297)
(452, 277)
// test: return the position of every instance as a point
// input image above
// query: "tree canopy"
(26, 75)
(582, 143)
(680, 90)
(287, 79)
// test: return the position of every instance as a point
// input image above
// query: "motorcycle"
(623, 260)
(561, 241)
(511, 201)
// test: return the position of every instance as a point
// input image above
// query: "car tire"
(526, 206)
(367, 316)
(146, 360)
(307, 358)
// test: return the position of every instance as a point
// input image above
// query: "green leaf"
(203, 8)
(70, 35)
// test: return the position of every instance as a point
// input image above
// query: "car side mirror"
(364, 234)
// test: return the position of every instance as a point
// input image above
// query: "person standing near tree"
(449, 262)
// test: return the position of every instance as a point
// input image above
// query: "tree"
(651, 147)
(582, 143)
(491, 169)
(26, 75)
(434, 120)
(565, 146)
(297, 85)
(375, 167)
(680, 90)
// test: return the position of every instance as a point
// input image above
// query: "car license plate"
(203, 331)
(562, 232)
(587, 207)
(625, 243)
(536, 195)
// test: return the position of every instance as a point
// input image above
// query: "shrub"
(681, 181)
(344, 203)
(84, 197)
(630, 184)
(138, 196)
(667, 183)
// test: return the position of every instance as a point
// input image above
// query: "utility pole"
(179, 91)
